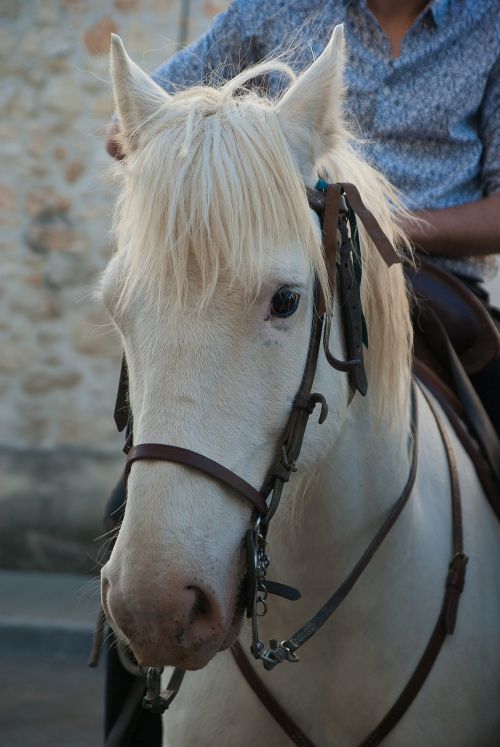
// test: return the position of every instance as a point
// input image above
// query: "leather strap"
(329, 235)
(164, 452)
(352, 315)
(445, 624)
(384, 246)
(434, 384)
(267, 698)
(315, 623)
(446, 621)
(303, 406)
(476, 415)
(122, 733)
(317, 201)
(468, 324)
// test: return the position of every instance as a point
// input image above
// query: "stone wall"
(59, 357)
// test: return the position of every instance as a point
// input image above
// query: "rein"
(445, 624)
(337, 206)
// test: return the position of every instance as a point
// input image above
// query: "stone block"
(62, 95)
(10, 9)
(98, 37)
(41, 382)
(8, 198)
(139, 37)
(74, 170)
(15, 357)
(127, 6)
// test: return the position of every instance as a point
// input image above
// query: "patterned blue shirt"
(431, 116)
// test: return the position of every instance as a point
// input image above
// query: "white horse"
(212, 220)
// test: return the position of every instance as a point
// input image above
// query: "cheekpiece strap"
(329, 233)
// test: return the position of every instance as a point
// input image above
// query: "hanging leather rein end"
(372, 227)
(350, 304)
(317, 202)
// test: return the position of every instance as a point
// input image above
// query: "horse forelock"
(213, 185)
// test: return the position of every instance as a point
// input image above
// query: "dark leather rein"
(336, 205)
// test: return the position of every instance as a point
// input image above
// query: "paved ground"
(48, 695)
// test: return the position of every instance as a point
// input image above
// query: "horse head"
(212, 291)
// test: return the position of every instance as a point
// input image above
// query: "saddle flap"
(469, 326)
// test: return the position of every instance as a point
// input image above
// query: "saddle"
(454, 338)
(469, 326)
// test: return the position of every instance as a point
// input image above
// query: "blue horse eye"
(285, 302)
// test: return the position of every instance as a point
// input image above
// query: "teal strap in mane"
(322, 185)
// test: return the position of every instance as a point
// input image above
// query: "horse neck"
(360, 480)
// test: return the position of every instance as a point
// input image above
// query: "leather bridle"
(337, 206)
(332, 204)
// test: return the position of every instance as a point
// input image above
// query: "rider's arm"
(460, 231)
(220, 54)
(472, 228)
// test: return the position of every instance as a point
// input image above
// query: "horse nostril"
(201, 607)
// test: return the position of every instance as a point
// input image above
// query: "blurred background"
(59, 358)
(60, 454)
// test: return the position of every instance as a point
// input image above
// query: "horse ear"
(137, 96)
(310, 112)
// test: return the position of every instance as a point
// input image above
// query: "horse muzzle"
(181, 623)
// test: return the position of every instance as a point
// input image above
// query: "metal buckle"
(277, 653)
(259, 562)
(156, 700)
